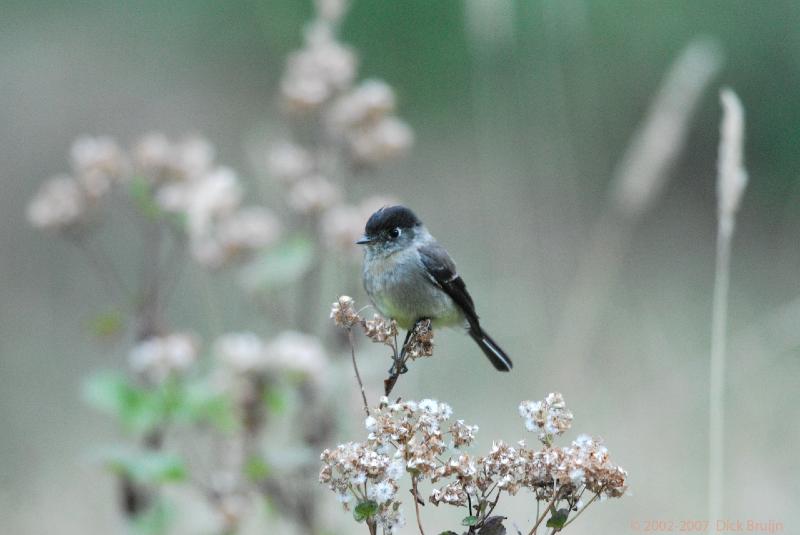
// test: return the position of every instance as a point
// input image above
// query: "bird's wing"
(442, 273)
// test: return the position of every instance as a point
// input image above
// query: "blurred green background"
(521, 111)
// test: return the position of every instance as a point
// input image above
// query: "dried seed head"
(60, 204)
(383, 140)
(298, 353)
(549, 417)
(315, 73)
(365, 104)
(159, 357)
(380, 330)
(97, 162)
(287, 162)
(248, 229)
(243, 352)
(313, 194)
(421, 342)
(732, 177)
(408, 436)
(332, 10)
(344, 313)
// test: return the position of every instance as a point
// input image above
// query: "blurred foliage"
(141, 409)
(286, 263)
(148, 467)
(559, 98)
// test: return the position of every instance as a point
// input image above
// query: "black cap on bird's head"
(388, 223)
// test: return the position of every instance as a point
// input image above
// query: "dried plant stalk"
(637, 183)
(731, 182)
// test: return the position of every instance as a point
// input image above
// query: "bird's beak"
(363, 240)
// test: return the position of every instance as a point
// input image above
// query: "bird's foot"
(398, 368)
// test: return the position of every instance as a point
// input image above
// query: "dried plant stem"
(310, 285)
(716, 384)
(102, 264)
(582, 509)
(416, 505)
(731, 182)
(638, 181)
(149, 295)
(355, 369)
(544, 513)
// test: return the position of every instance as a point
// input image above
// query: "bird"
(410, 277)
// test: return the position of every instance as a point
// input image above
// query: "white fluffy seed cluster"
(583, 466)
(180, 177)
(355, 126)
(356, 472)
(64, 202)
(414, 437)
(245, 353)
(160, 357)
(402, 437)
(344, 313)
(549, 417)
(319, 80)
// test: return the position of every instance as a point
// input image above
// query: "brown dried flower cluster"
(413, 437)
(565, 473)
(420, 344)
(378, 329)
(412, 432)
(165, 177)
(344, 313)
(549, 417)
(355, 471)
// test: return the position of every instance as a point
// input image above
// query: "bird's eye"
(395, 233)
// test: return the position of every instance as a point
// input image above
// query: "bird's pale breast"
(401, 289)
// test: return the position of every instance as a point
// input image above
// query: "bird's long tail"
(490, 348)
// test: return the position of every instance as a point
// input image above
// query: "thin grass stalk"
(637, 183)
(716, 382)
(355, 369)
(731, 183)
(416, 505)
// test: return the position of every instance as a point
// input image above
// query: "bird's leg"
(399, 365)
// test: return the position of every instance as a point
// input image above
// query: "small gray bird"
(410, 277)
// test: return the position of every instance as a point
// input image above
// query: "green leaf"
(156, 520)
(469, 521)
(256, 469)
(275, 400)
(112, 393)
(107, 324)
(108, 392)
(365, 510)
(146, 467)
(201, 404)
(282, 265)
(142, 195)
(493, 526)
(558, 519)
(139, 409)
